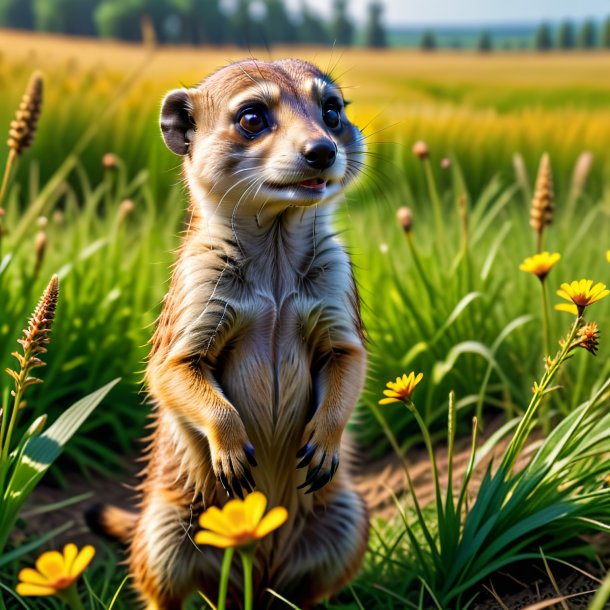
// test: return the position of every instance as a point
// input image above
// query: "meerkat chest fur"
(262, 313)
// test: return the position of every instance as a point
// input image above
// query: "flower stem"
(71, 597)
(246, 560)
(224, 578)
(524, 427)
(436, 206)
(545, 318)
(7, 172)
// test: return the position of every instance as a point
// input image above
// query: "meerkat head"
(263, 135)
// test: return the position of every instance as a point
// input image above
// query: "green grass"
(449, 302)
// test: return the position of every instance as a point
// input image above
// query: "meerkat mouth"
(314, 185)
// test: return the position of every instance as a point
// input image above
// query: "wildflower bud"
(588, 338)
(110, 161)
(37, 426)
(405, 218)
(23, 128)
(445, 163)
(420, 150)
(42, 222)
(541, 213)
(125, 209)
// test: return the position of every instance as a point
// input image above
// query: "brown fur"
(260, 341)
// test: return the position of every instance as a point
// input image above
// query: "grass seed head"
(36, 337)
(23, 128)
(581, 172)
(541, 213)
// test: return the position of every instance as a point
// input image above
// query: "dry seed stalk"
(23, 128)
(34, 340)
(541, 213)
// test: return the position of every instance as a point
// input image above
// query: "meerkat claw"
(225, 483)
(313, 474)
(334, 466)
(307, 453)
(320, 482)
(249, 451)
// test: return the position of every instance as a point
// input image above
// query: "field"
(445, 297)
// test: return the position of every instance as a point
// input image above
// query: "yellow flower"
(540, 264)
(55, 572)
(240, 522)
(583, 293)
(401, 389)
(567, 307)
(608, 255)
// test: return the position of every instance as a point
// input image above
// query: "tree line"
(566, 37)
(214, 22)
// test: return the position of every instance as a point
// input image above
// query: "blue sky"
(455, 12)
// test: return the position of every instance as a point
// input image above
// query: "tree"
(312, 29)
(17, 14)
(201, 22)
(342, 29)
(277, 25)
(606, 34)
(65, 16)
(565, 37)
(542, 39)
(242, 25)
(428, 42)
(119, 19)
(375, 32)
(587, 35)
(485, 43)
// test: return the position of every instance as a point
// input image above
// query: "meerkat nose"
(320, 154)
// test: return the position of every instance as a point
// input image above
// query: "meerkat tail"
(111, 522)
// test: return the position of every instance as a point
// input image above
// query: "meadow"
(444, 297)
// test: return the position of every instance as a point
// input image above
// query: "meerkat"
(258, 357)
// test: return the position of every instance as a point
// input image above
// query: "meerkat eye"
(252, 121)
(331, 113)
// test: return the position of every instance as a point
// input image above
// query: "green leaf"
(40, 452)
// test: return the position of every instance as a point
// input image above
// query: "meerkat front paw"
(321, 456)
(232, 464)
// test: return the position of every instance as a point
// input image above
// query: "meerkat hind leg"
(328, 551)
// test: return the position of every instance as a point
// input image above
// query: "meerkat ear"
(177, 124)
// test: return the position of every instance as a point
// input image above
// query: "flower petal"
(387, 401)
(568, 307)
(213, 539)
(33, 577)
(254, 507)
(215, 520)
(271, 521)
(28, 589)
(83, 559)
(70, 553)
(235, 515)
(51, 564)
